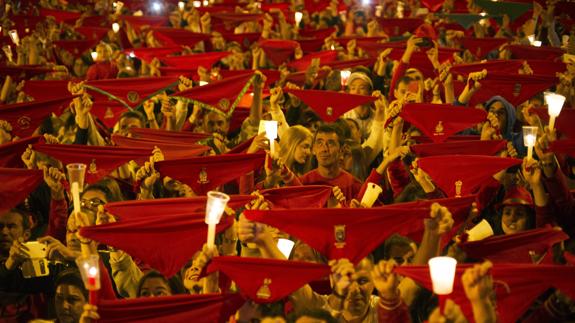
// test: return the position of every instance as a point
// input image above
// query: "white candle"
(442, 271)
(554, 105)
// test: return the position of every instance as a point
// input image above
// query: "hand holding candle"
(215, 207)
(442, 272)
(271, 134)
(529, 139)
(76, 173)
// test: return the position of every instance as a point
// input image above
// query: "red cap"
(206, 173)
(60, 15)
(268, 280)
(514, 248)
(293, 197)
(16, 185)
(330, 105)
(517, 195)
(11, 152)
(136, 210)
(167, 248)
(131, 91)
(278, 51)
(341, 233)
(76, 47)
(204, 308)
(26, 117)
(93, 33)
(458, 175)
(100, 160)
(148, 54)
(179, 37)
(24, 72)
(398, 26)
(516, 285)
(303, 63)
(170, 136)
(471, 147)
(432, 5)
(220, 96)
(194, 61)
(507, 66)
(169, 149)
(480, 47)
(440, 121)
(532, 52)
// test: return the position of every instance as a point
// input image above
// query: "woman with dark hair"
(154, 284)
(70, 296)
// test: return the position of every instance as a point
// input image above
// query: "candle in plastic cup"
(554, 103)
(14, 36)
(271, 133)
(215, 207)
(90, 271)
(285, 246)
(371, 194)
(298, 16)
(344, 75)
(94, 55)
(76, 173)
(529, 139)
(442, 271)
(181, 5)
(116, 27)
(481, 231)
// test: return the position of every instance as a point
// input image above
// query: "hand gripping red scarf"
(165, 243)
(140, 209)
(268, 280)
(465, 147)
(203, 174)
(100, 160)
(206, 308)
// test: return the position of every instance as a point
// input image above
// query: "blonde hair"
(290, 139)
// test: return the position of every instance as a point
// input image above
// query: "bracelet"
(390, 307)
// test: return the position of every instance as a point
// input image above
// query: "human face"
(359, 86)
(11, 228)
(128, 123)
(302, 151)
(155, 287)
(402, 254)
(405, 88)
(514, 219)
(326, 149)
(69, 303)
(215, 122)
(91, 199)
(357, 300)
(498, 109)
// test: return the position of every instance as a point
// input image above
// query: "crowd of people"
(400, 138)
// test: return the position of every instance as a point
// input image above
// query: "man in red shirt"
(327, 147)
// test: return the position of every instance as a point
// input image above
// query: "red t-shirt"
(349, 185)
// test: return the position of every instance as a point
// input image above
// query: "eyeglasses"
(92, 204)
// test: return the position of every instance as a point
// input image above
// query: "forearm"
(428, 249)
(484, 311)
(278, 115)
(540, 197)
(374, 141)
(465, 95)
(126, 273)
(6, 89)
(181, 113)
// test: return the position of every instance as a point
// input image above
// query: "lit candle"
(94, 56)
(89, 267)
(285, 246)
(271, 134)
(554, 105)
(442, 272)
(14, 36)
(529, 139)
(197, 4)
(181, 5)
(76, 174)
(344, 75)
(215, 205)
(298, 16)
(116, 27)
